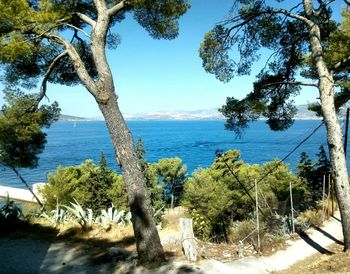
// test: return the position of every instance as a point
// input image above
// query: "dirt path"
(26, 254)
(316, 241)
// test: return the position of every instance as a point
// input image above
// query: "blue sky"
(156, 75)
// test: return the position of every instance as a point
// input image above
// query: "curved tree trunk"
(147, 239)
(334, 135)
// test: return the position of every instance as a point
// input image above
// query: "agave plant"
(112, 215)
(10, 211)
(57, 216)
(83, 217)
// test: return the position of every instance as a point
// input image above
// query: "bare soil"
(337, 262)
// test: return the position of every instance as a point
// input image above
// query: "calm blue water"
(195, 142)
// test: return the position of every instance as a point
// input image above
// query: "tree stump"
(188, 240)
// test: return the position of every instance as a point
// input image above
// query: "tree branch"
(292, 84)
(294, 16)
(78, 29)
(239, 23)
(116, 8)
(26, 184)
(86, 19)
(48, 72)
(77, 62)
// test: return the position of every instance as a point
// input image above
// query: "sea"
(195, 142)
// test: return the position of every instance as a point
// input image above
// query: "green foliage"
(82, 216)
(225, 192)
(21, 135)
(112, 215)
(150, 171)
(172, 174)
(159, 17)
(10, 215)
(154, 188)
(209, 201)
(86, 217)
(251, 26)
(57, 216)
(140, 152)
(94, 187)
(312, 174)
(27, 48)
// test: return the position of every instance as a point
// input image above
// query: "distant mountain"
(305, 114)
(202, 114)
(71, 118)
(206, 114)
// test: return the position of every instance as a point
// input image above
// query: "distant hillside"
(71, 118)
(202, 114)
(305, 114)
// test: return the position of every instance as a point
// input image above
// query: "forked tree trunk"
(334, 135)
(147, 239)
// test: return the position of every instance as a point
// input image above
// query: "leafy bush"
(311, 173)
(225, 192)
(209, 202)
(92, 186)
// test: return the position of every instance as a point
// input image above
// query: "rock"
(118, 253)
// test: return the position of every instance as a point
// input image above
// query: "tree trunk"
(148, 244)
(334, 135)
(334, 139)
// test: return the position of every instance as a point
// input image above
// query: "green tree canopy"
(32, 46)
(93, 186)
(172, 174)
(254, 25)
(65, 42)
(21, 136)
(300, 39)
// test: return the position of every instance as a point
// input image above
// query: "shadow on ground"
(37, 249)
(312, 243)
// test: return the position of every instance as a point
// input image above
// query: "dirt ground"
(336, 262)
(38, 248)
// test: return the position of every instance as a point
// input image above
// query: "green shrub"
(94, 187)
(225, 193)
(10, 215)
(208, 201)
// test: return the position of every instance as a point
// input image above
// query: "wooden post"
(329, 193)
(323, 194)
(187, 237)
(257, 215)
(291, 206)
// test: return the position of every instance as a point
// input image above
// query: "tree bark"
(334, 135)
(148, 243)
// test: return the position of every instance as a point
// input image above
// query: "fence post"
(323, 194)
(257, 215)
(291, 206)
(187, 237)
